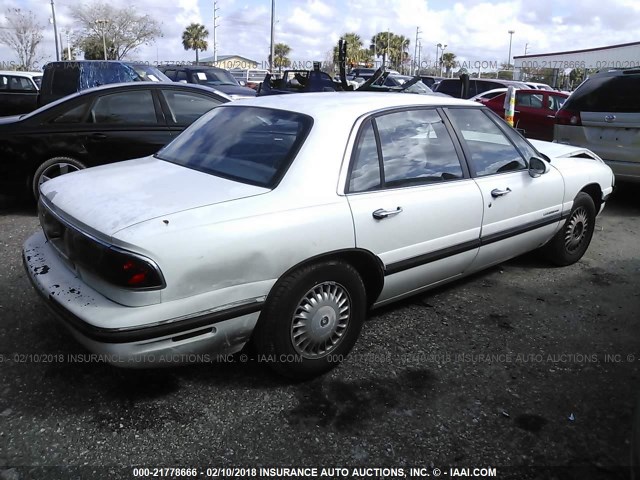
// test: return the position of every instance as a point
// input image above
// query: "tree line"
(102, 30)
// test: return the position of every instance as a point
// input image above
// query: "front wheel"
(312, 319)
(52, 168)
(571, 242)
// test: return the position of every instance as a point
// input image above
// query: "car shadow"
(625, 200)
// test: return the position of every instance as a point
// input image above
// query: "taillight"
(568, 117)
(128, 270)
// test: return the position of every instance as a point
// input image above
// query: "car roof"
(20, 73)
(191, 67)
(349, 104)
(616, 72)
(130, 86)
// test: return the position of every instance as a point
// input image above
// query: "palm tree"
(280, 52)
(399, 51)
(194, 38)
(356, 55)
(380, 44)
(448, 61)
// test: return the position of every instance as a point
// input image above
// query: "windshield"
(215, 77)
(247, 144)
(37, 79)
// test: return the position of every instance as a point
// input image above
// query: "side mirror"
(537, 167)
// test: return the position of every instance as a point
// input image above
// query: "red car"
(535, 111)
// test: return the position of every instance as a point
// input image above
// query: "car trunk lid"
(106, 199)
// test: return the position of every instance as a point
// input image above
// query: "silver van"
(603, 115)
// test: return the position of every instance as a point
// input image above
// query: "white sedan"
(282, 220)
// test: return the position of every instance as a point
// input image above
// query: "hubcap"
(320, 320)
(576, 229)
(56, 170)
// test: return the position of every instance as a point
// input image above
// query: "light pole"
(55, 29)
(102, 24)
(415, 51)
(388, 59)
(215, 38)
(442, 57)
(437, 49)
(272, 53)
(67, 32)
(511, 32)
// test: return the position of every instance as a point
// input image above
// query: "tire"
(571, 242)
(311, 320)
(54, 167)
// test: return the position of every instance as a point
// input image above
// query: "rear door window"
(135, 107)
(531, 100)
(365, 173)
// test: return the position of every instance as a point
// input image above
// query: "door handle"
(382, 213)
(551, 116)
(496, 192)
(98, 136)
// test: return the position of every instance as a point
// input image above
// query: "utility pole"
(55, 30)
(415, 52)
(273, 16)
(419, 56)
(103, 23)
(215, 25)
(68, 45)
(526, 47)
(438, 45)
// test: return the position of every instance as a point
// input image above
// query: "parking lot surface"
(523, 365)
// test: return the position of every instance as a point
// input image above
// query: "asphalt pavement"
(517, 368)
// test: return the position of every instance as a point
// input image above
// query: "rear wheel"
(52, 168)
(312, 319)
(571, 242)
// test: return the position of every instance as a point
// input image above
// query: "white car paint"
(221, 245)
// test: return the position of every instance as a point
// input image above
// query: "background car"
(214, 77)
(539, 86)
(64, 78)
(251, 78)
(488, 95)
(96, 126)
(535, 111)
(453, 86)
(18, 92)
(396, 80)
(281, 222)
(431, 82)
(603, 115)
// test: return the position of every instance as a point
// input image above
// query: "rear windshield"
(607, 94)
(247, 144)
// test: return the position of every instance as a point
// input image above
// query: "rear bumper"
(223, 331)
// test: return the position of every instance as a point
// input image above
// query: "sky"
(475, 30)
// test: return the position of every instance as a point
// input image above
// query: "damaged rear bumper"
(223, 330)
